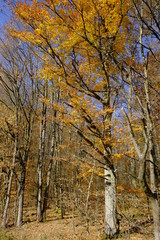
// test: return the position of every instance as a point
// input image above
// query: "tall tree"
(41, 153)
(16, 75)
(140, 99)
(83, 39)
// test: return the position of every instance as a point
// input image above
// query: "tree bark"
(21, 198)
(4, 217)
(111, 226)
(52, 154)
(41, 156)
(154, 201)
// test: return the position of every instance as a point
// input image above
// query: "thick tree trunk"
(111, 225)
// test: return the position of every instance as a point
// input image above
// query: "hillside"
(135, 223)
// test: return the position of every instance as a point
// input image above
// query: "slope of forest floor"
(63, 230)
(135, 223)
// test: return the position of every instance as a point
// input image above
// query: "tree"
(84, 40)
(141, 90)
(16, 75)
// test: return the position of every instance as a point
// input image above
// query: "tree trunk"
(21, 198)
(133, 171)
(39, 196)
(150, 128)
(55, 185)
(46, 192)
(4, 217)
(111, 225)
(52, 155)
(48, 178)
(41, 156)
(155, 209)
(87, 200)
(154, 201)
(111, 222)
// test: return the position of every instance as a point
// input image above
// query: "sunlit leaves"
(78, 40)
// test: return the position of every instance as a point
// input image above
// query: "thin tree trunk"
(61, 202)
(53, 149)
(52, 155)
(155, 209)
(61, 185)
(23, 162)
(41, 157)
(154, 201)
(87, 199)
(46, 191)
(4, 217)
(152, 153)
(15, 203)
(21, 198)
(55, 185)
(133, 171)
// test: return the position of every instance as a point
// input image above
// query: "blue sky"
(4, 14)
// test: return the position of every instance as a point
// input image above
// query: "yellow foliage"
(73, 38)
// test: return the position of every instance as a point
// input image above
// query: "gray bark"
(4, 217)
(21, 198)
(87, 199)
(111, 225)
(41, 156)
(154, 201)
(52, 154)
(148, 134)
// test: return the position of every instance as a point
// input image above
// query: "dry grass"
(68, 229)
(134, 214)
(63, 230)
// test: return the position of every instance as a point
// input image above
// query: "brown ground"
(67, 229)
(134, 214)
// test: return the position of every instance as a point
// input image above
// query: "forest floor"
(63, 230)
(69, 228)
(134, 214)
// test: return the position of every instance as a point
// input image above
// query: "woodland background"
(80, 117)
